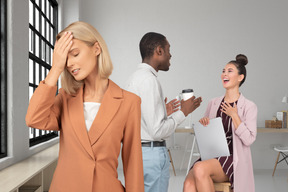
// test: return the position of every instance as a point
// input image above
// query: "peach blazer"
(88, 161)
(243, 138)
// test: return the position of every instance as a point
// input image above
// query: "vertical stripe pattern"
(227, 161)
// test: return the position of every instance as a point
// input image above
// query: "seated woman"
(239, 118)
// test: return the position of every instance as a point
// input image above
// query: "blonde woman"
(94, 116)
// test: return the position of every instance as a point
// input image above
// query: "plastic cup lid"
(187, 90)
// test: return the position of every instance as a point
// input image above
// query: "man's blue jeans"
(156, 163)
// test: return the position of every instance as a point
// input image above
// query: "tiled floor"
(264, 182)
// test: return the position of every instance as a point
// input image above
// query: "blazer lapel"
(76, 114)
(215, 106)
(109, 106)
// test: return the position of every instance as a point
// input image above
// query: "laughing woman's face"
(230, 77)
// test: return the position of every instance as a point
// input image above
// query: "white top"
(155, 125)
(90, 111)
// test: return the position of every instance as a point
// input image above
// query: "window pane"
(51, 15)
(37, 45)
(43, 52)
(43, 73)
(47, 31)
(47, 54)
(43, 6)
(31, 71)
(51, 56)
(31, 13)
(30, 40)
(43, 26)
(36, 19)
(37, 132)
(37, 2)
(47, 13)
(36, 73)
(31, 90)
(31, 133)
(52, 36)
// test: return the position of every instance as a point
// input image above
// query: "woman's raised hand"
(61, 49)
(204, 121)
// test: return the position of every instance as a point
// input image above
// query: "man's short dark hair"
(149, 42)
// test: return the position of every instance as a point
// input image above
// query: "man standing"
(156, 126)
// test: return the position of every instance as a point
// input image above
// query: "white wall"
(204, 36)
(70, 9)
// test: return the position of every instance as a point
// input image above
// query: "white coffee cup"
(187, 94)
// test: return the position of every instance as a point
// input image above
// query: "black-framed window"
(3, 50)
(43, 22)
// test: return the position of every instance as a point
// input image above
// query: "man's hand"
(172, 106)
(190, 105)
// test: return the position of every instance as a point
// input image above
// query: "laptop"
(211, 140)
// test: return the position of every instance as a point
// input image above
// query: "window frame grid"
(40, 60)
(3, 129)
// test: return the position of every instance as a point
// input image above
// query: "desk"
(271, 130)
(184, 130)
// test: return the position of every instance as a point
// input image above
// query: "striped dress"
(227, 161)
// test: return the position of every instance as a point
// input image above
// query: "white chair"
(192, 153)
(284, 152)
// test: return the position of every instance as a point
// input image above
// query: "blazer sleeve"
(247, 130)
(132, 150)
(44, 108)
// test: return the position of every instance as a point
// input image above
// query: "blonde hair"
(89, 35)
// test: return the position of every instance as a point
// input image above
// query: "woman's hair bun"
(241, 59)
